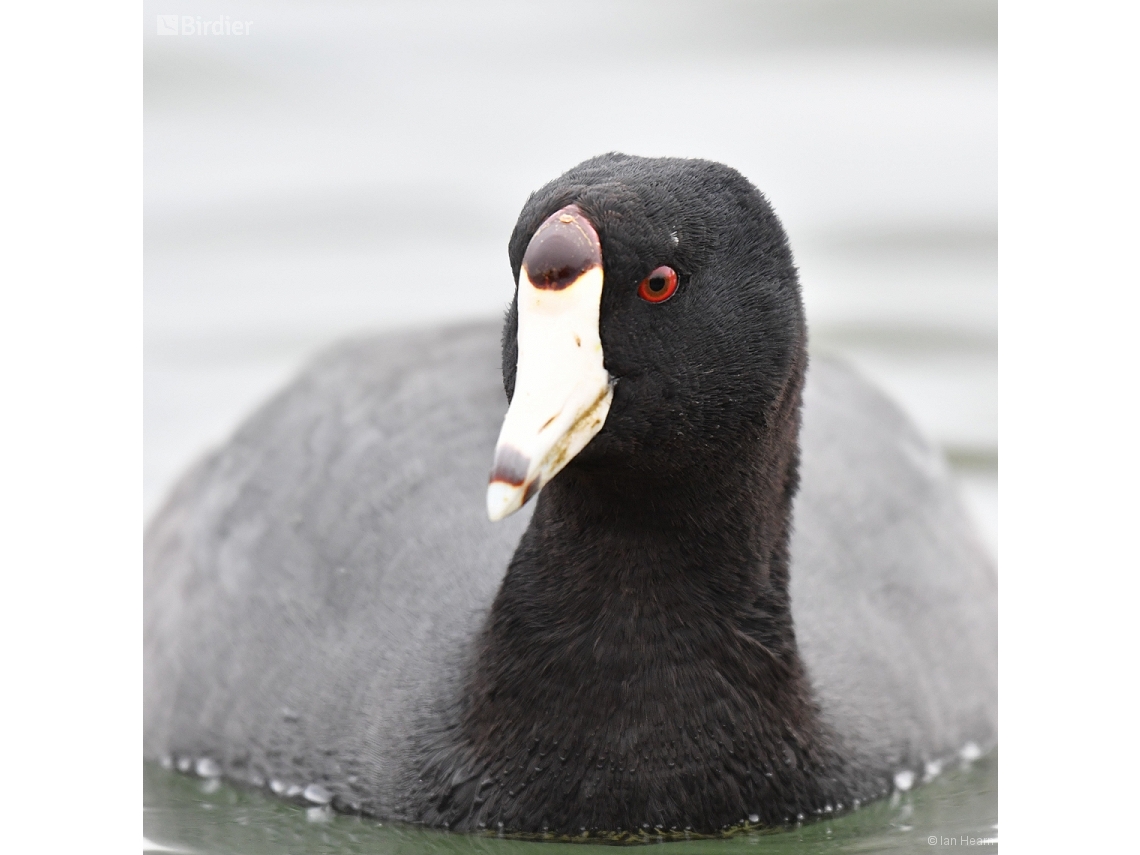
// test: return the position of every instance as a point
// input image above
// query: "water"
(186, 814)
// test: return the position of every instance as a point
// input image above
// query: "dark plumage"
(326, 603)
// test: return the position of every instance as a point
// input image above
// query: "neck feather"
(639, 666)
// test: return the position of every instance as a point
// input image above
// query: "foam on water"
(317, 794)
(970, 752)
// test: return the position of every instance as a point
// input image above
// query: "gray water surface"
(957, 810)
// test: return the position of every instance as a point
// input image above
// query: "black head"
(700, 371)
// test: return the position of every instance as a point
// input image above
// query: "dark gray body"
(312, 588)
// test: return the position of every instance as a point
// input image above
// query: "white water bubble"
(904, 780)
(317, 794)
(206, 767)
(184, 764)
(970, 752)
(932, 770)
(278, 787)
(753, 817)
(318, 814)
(294, 790)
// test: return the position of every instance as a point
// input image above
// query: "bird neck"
(623, 571)
(625, 576)
(641, 651)
(639, 571)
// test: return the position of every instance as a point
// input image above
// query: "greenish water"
(958, 810)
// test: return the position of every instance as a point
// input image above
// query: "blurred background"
(346, 167)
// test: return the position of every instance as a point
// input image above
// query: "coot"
(712, 615)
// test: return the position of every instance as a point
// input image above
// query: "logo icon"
(168, 25)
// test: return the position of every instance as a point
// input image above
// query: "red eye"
(659, 285)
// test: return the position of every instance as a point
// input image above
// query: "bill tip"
(502, 500)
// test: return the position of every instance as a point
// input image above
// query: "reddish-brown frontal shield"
(565, 246)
